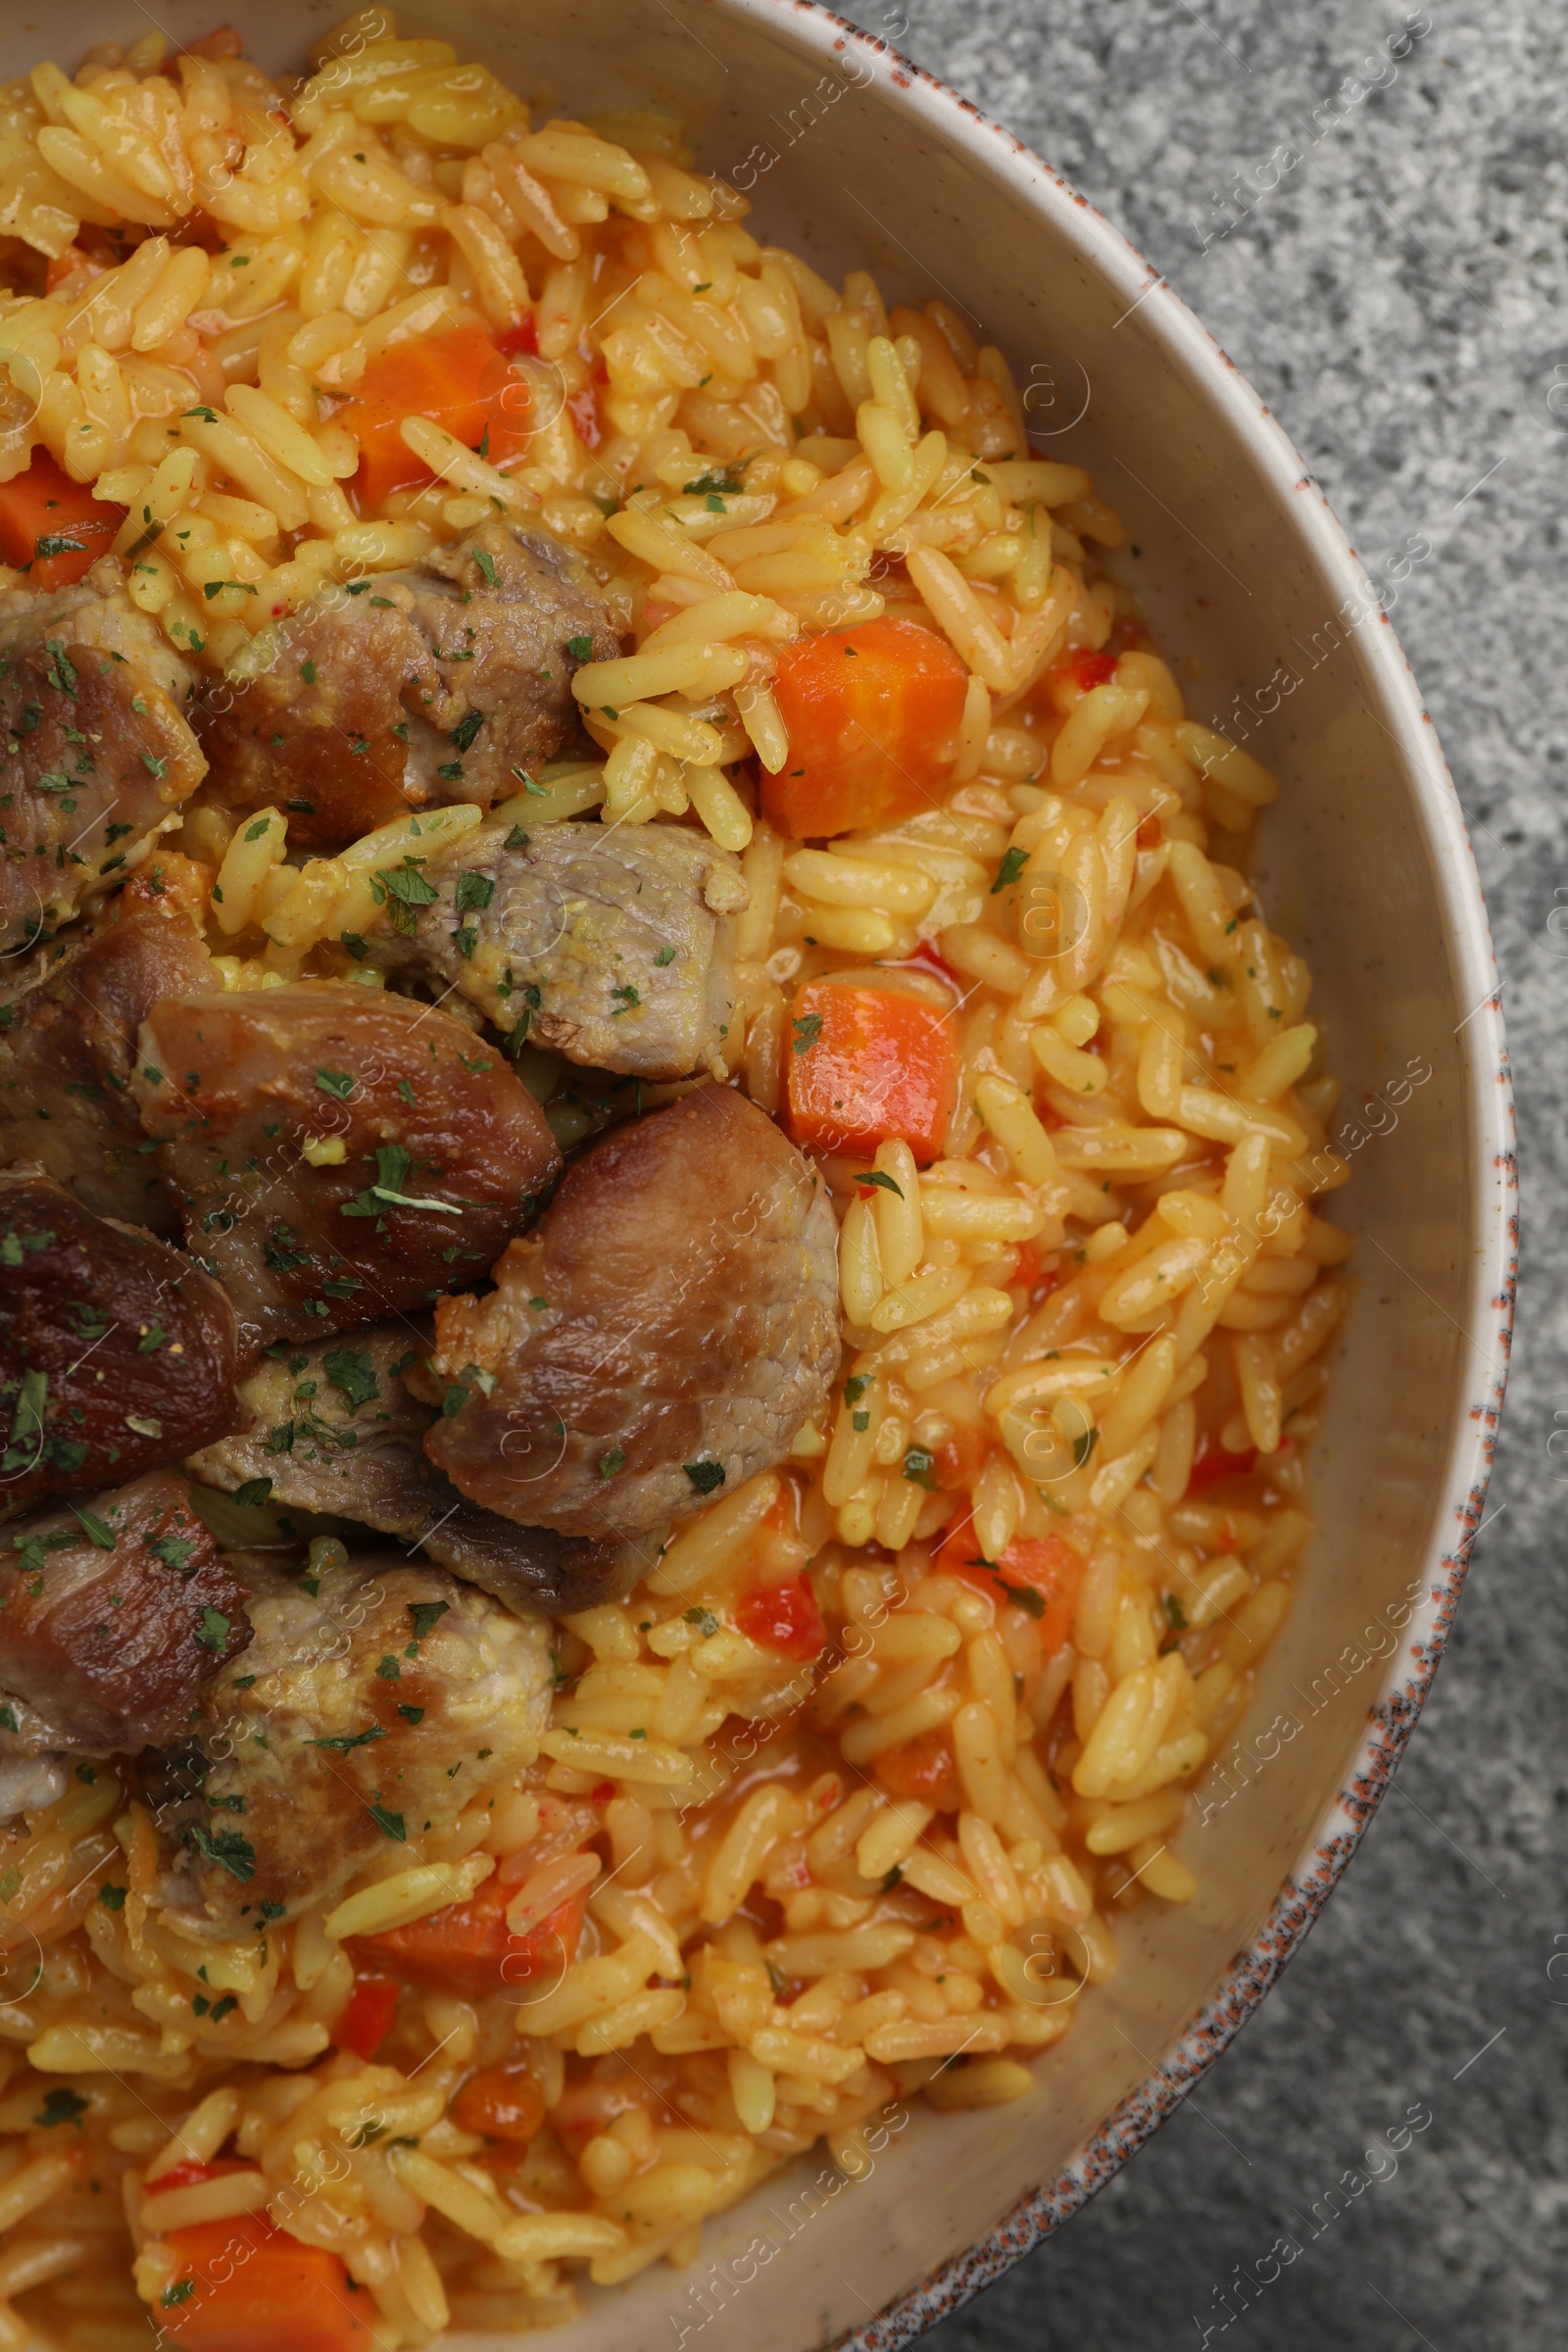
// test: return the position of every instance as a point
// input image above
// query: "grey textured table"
(1398, 300)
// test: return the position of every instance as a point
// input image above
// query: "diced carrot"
(1049, 1566)
(470, 1948)
(500, 2105)
(960, 1554)
(921, 1768)
(459, 380)
(366, 2018)
(246, 2285)
(1032, 1274)
(51, 527)
(873, 714)
(1043, 1569)
(784, 1618)
(958, 1460)
(871, 1061)
(959, 1549)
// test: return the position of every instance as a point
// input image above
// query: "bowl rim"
(958, 123)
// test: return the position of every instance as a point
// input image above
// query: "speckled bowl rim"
(956, 123)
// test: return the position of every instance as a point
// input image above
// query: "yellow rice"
(1143, 1114)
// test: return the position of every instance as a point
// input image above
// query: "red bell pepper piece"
(784, 1618)
(366, 2018)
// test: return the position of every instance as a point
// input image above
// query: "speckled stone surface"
(1397, 295)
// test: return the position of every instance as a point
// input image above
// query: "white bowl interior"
(1364, 866)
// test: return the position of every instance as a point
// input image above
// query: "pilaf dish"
(660, 1297)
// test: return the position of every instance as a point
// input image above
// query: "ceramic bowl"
(855, 157)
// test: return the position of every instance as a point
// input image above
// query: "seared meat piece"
(667, 1329)
(432, 684)
(115, 1615)
(613, 945)
(443, 1152)
(117, 1352)
(333, 1429)
(368, 1712)
(94, 751)
(68, 1044)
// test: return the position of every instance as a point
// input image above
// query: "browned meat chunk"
(337, 1155)
(433, 684)
(369, 1713)
(666, 1332)
(613, 945)
(333, 1429)
(68, 1043)
(117, 1352)
(94, 750)
(114, 1614)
